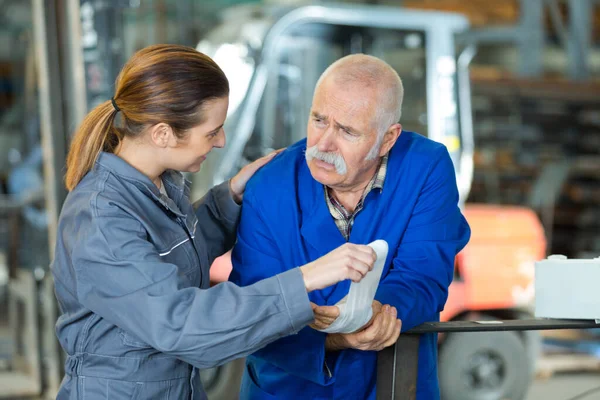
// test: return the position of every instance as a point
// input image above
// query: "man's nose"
(326, 142)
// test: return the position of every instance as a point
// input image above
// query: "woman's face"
(188, 153)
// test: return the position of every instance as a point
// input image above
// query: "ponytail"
(96, 133)
(162, 83)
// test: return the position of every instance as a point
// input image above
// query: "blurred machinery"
(24, 253)
(273, 58)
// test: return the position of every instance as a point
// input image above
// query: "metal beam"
(579, 38)
(531, 38)
(497, 34)
(62, 107)
(50, 104)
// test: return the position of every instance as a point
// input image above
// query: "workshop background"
(512, 87)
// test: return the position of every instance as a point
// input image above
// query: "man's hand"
(376, 306)
(382, 332)
(324, 315)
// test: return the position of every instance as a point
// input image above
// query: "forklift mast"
(273, 57)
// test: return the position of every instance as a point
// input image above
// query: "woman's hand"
(349, 261)
(237, 184)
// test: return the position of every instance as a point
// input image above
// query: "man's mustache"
(329, 157)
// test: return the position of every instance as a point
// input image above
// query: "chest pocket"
(173, 243)
(177, 247)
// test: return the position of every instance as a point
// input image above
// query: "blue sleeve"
(255, 257)
(121, 277)
(423, 265)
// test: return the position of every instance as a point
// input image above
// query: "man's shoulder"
(279, 174)
(419, 143)
(417, 149)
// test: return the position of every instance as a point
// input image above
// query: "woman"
(132, 256)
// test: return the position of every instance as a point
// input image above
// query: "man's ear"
(161, 134)
(389, 139)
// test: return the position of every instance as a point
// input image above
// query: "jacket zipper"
(185, 228)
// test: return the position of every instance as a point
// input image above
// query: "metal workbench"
(397, 365)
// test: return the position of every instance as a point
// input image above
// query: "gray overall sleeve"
(121, 278)
(218, 217)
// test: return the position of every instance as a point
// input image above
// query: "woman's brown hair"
(160, 83)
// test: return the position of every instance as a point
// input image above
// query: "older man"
(357, 177)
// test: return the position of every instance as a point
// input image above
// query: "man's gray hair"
(372, 72)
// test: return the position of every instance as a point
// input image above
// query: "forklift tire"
(483, 366)
(223, 382)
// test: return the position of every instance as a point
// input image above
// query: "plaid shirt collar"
(345, 219)
(377, 183)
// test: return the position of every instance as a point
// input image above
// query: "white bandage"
(355, 308)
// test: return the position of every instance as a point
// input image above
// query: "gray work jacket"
(131, 270)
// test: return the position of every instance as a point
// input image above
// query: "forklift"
(273, 57)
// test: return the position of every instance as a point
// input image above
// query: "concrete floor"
(563, 386)
(566, 386)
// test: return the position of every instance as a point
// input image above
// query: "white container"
(567, 288)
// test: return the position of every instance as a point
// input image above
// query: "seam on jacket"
(174, 247)
(287, 308)
(132, 343)
(221, 210)
(94, 198)
(170, 246)
(165, 357)
(134, 181)
(137, 382)
(84, 332)
(194, 228)
(140, 227)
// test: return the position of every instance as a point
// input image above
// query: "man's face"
(341, 131)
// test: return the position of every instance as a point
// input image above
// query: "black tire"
(532, 340)
(223, 383)
(483, 366)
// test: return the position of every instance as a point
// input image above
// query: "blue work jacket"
(131, 271)
(285, 222)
